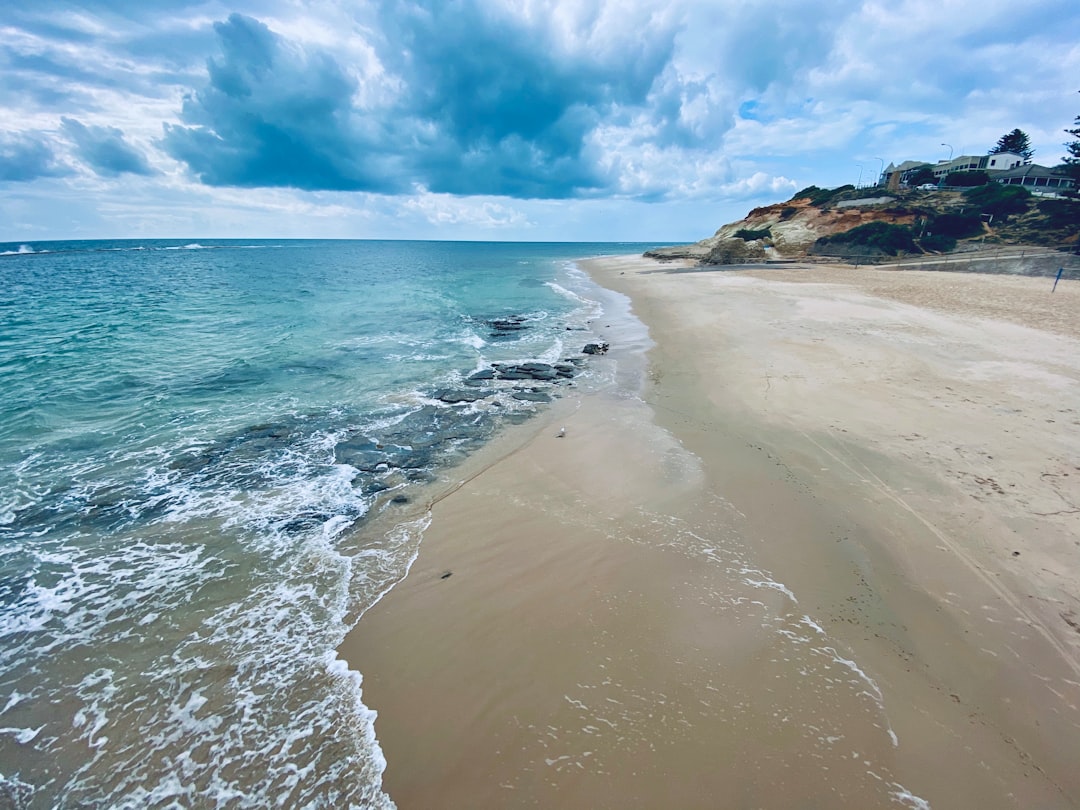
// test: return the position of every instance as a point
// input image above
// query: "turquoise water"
(190, 435)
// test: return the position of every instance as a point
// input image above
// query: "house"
(1034, 178)
(1001, 161)
(905, 170)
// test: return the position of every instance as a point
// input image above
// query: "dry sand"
(826, 555)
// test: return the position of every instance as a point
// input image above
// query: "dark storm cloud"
(274, 114)
(488, 107)
(512, 107)
(27, 156)
(104, 149)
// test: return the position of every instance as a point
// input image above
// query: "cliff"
(839, 223)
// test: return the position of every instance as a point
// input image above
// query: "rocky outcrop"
(736, 251)
(793, 228)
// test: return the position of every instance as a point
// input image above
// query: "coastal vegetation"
(1072, 161)
(822, 196)
(873, 237)
(967, 179)
(750, 235)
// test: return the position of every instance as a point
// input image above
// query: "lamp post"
(880, 173)
(950, 150)
(858, 183)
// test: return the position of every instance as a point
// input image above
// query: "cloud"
(510, 95)
(484, 104)
(437, 117)
(104, 149)
(26, 156)
(277, 114)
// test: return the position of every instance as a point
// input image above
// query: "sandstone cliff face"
(791, 228)
(794, 226)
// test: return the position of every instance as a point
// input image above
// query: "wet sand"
(824, 552)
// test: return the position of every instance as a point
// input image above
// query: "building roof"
(910, 164)
(1030, 170)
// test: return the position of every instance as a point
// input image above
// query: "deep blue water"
(191, 434)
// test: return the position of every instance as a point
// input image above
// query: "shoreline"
(770, 561)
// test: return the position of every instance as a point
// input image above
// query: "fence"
(1005, 259)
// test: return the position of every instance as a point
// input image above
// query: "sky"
(519, 120)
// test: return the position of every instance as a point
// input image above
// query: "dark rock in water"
(267, 432)
(531, 396)
(483, 374)
(305, 522)
(400, 499)
(514, 374)
(526, 371)
(359, 452)
(539, 371)
(595, 348)
(508, 327)
(574, 361)
(565, 369)
(369, 456)
(452, 397)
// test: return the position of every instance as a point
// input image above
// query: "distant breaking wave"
(23, 249)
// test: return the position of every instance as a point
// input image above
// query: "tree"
(1016, 142)
(972, 178)
(922, 176)
(1072, 163)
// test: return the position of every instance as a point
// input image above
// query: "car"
(927, 187)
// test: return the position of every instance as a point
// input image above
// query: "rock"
(514, 374)
(506, 327)
(735, 251)
(526, 371)
(539, 371)
(595, 348)
(367, 456)
(485, 374)
(452, 397)
(531, 396)
(696, 251)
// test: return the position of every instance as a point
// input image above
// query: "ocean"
(192, 437)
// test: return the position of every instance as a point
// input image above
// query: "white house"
(1001, 161)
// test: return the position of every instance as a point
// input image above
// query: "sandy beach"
(821, 551)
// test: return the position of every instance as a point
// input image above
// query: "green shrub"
(938, 242)
(922, 177)
(809, 191)
(1000, 200)
(1061, 214)
(962, 179)
(881, 237)
(749, 235)
(821, 196)
(958, 226)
